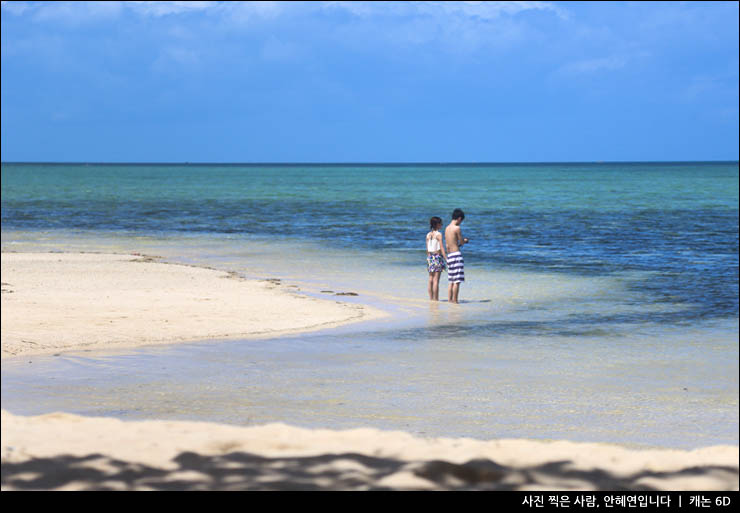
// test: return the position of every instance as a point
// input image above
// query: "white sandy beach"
(66, 452)
(54, 302)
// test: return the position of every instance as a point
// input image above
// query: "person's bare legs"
(435, 286)
(452, 292)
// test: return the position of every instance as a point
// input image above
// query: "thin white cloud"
(16, 8)
(487, 10)
(270, 9)
(157, 9)
(64, 12)
(91, 11)
(484, 11)
(459, 27)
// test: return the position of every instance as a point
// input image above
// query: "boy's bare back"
(453, 237)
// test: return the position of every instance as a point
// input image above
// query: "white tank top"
(432, 243)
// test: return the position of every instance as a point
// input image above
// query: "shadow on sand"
(243, 471)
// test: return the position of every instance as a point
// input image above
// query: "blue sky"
(369, 81)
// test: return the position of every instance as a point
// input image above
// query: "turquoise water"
(678, 221)
(600, 302)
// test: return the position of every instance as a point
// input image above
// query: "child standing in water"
(455, 240)
(436, 257)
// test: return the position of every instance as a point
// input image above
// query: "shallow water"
(600, 302)
(527, 355)
(628, 392)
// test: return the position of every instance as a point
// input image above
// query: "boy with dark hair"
(455, 264)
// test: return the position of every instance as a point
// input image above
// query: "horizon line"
(350, 163)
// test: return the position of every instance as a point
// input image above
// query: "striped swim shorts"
(455, 267)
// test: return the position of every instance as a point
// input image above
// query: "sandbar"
(53, 302)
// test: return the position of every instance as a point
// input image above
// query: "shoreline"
(60, 451)
(69, 301)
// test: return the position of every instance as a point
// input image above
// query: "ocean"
(600, 302)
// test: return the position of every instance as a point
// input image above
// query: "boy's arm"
(460, 239)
